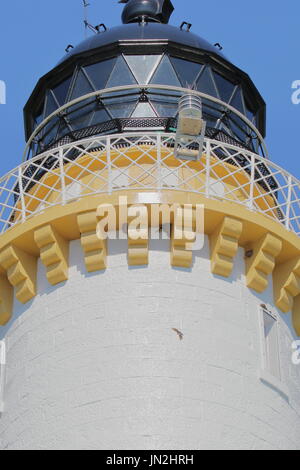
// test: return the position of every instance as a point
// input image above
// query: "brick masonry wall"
(94, 363)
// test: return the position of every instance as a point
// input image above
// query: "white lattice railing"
(145, 162)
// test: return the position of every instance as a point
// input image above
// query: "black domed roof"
(144, 51)
(140, 32)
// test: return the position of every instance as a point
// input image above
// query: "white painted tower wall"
(94, 363)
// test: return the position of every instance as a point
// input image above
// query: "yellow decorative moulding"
(224, 244)
(274, 250)
(287, 284)
(138, 236)
(94, 247)
(261, 262)
(54, 253)
(182, 240)
(6, 300)
(21, 272)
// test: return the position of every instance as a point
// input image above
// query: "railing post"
(20, 180)
(62, 176)
(159, 175)
(109, 166)
(207, 168)
(252, 181)
(289, 202)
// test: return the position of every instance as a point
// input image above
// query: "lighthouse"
(149, 253)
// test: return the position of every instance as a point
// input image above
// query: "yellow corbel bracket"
(93, 245)
(183, 237)
(261, 261)
(21, 272)
(296, 315)
(224, 243)
(138, 236)
(54, 253)
(286, 281)
(6, 300)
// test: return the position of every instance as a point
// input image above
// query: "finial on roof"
(158, 11)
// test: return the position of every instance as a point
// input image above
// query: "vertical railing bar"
(23, 205)
(252, 182)
(159, 169)
(207, 168)
(288, 205)
(62, 176)
(109, 164)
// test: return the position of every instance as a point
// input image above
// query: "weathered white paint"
(94, 363)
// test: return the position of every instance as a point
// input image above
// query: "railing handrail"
(279, 189)
(244, 151)
(100, 93)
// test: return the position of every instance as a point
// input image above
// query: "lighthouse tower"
(148, 342)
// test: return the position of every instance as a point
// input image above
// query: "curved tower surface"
(115, 335)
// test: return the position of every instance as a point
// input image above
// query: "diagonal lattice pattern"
(136, 161)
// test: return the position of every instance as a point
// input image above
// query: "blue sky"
(261, 37)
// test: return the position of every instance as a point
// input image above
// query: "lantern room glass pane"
(165, 74)
(39, 114)
(81, 114)
(206, 84)
(238, 128)
(165, 106)
(187, 71)
(82, 86)
(121, 75)
(100, 116)
(249, 112)
(100, 72)
(237, 101)
(165, 109)
(143, 66)
(214, 109)
(143, 110)
(38, 119)
(61, 91)
(225, 87)
(63, 129)
(120, 109)
(51, 131)
(51, 104)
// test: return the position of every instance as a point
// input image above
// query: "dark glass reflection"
(249, 112)
(225, 87)
(117, 109)
(121, 75)
(100, 115)
(120, 105)
(187, 71)
(81, 116)
(205, 83)
(100, 72)
(165, 74)
(61, 91)
(143, 110)
(237, 101)
(238, 128)
(51, 104)
(50, 131)
(39, 117)
(165, 105)
(82, 86)
(151, 104)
